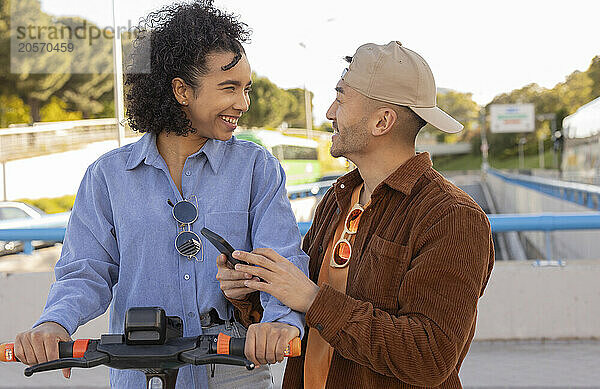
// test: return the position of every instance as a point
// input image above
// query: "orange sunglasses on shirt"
(342, 251)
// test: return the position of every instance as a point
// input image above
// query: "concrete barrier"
(22, 299)
(523, 301)
(520, 302)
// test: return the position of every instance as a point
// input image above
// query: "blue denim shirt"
(119, 247)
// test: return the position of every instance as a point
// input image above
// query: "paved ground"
(517, 364)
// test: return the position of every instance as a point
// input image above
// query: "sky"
(481, 47)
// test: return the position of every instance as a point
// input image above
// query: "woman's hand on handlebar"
(266, 342)
(40, 344)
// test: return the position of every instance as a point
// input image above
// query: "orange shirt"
(318, 351)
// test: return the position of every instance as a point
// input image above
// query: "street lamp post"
(522, 142)
(552, 118)
(308, 111)
(307, 105)
(118, 79)
(484, 143)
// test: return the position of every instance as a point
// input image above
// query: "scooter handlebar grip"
(236, 346)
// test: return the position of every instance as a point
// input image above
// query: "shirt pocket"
(231, 226)
(380, 272)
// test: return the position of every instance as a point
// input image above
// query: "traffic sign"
(508, 118)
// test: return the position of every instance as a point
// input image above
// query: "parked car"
(14, 211)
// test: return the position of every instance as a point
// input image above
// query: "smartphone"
(222, 245)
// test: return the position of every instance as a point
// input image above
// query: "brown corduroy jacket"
(421, 259)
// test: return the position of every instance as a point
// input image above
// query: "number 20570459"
(45, 47)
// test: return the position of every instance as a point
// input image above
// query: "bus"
(299, 157)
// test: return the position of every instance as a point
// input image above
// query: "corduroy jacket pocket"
(381, 269)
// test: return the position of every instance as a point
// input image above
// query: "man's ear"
(181, 91)
(385, 118)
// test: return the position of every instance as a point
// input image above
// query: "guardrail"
(546, 222)
(52, 137)
(582, 194)
(306, 190)
(499, 223)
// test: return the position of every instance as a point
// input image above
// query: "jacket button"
(337, 211)
(319, 327)
(342, 186)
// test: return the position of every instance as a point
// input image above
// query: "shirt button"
(319, 327)
(342, 186)
(188, 173)
(190, 314)
(187, 277)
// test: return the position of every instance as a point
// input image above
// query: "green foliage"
(56, 110)
(325, 126)
(90, 93)
(296, 115)
(270, 105)
(593, 73)
(473, 162)
(564, 99)
(52, 205)
(33, 87)
(461, 107)
(13, 110)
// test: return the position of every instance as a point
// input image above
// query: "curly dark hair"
(179, 36)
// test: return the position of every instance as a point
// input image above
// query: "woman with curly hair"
(132, 239)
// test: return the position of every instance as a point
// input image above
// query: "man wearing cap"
(399, 255)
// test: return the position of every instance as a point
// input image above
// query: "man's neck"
(175, 149)
(377, 166)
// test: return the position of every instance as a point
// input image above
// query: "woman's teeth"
(230, 119)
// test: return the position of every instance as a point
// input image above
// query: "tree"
(296, 116)
(55, 110)
(575, 91)
(594, 73)
(28, 81)
(82, 78)
(268, 104)
(461, 107)
(13, 110)
(88, 92)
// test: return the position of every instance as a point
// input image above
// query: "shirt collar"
(403, 179)
(145, 150)
(407, 175)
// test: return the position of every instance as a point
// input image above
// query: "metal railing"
(52, 137)
(499, 223)
(306, 190)
(582, 194)
(546, 222)
(587, 195)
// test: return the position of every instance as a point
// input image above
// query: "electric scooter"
(152, 343)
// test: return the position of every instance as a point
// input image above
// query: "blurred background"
(522, 76)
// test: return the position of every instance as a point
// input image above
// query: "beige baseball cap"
(397, 75)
